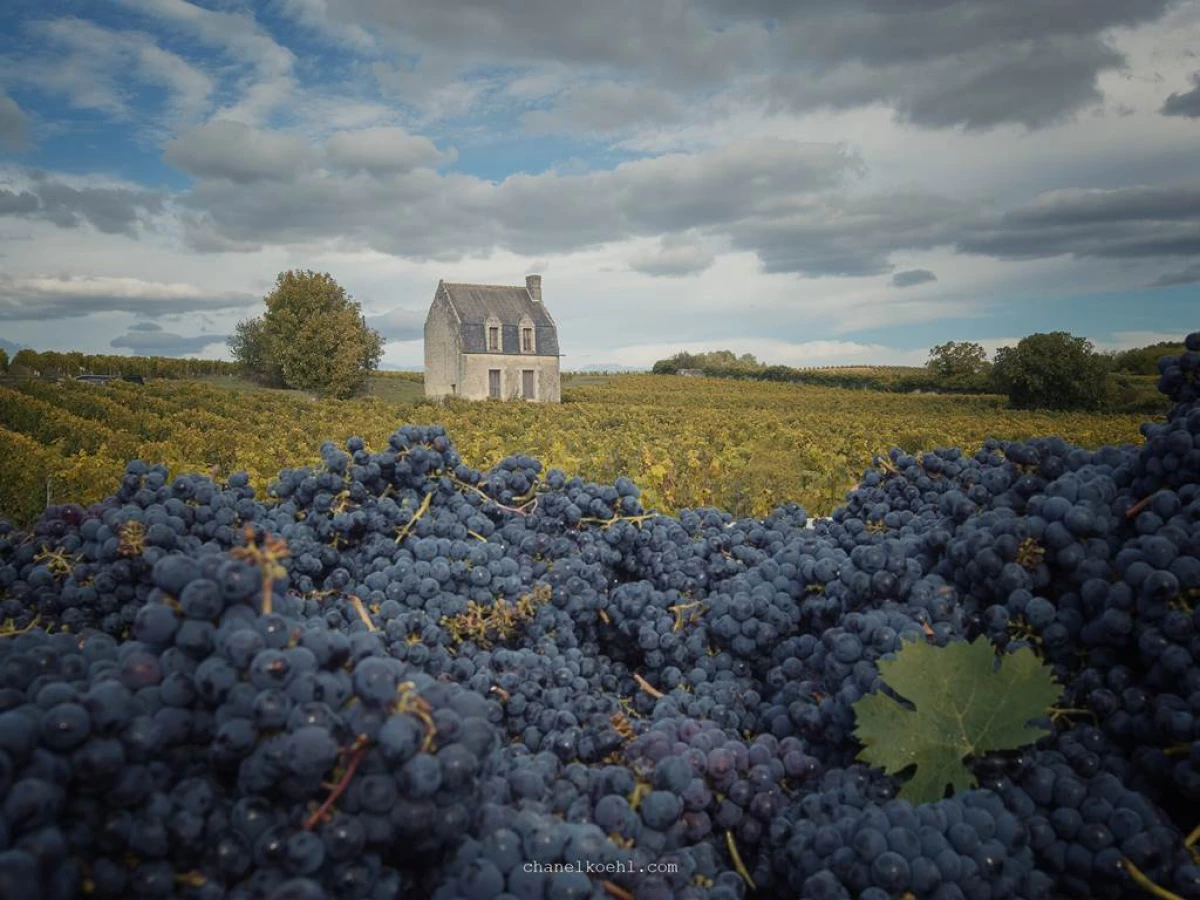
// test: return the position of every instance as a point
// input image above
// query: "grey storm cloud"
(1190, 275)
(783, 200)
(202, 235)
(145, 327)
(164, 343)
(1185, 104)
(13, 203)
(1031, 84)
(399, 324)
(941, 62)
(238, 152)
(852, 236)
(534, 214)
(884, 32)
(38, 299)
(1118, 223)
(912, 277)
(111, 209)
(777, 198)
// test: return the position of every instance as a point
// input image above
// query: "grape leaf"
(964, 706)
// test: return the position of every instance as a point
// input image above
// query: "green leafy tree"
(248, 344)
(1144, 360)
(1053, 370)
(957, 360)
(312, 337)
(712, 359)
(3, 360)
(26, 362)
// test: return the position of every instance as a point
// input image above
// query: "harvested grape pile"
(397, 676)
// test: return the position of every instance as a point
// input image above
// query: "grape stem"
(606, 523)
(522, 510)
(403, 531)
(614, 891)
(357, 603)
(648, 687)
(358, 752)
(1194, 838)
(1140, 505)
(1140, 879)
(10, 629)
(266, 558)
(737, 861)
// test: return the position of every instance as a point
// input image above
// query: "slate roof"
(476, 303)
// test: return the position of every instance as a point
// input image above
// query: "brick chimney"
(533, 284)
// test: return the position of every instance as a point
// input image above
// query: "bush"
(1053, 370)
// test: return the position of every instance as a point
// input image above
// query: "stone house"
(487, 340)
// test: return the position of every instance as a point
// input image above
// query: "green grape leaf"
(964, 706)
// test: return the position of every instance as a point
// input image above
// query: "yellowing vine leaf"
(964, 706)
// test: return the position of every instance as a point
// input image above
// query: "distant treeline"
(1144, 360)
(905, 379)
(52, 364)
(953, 368)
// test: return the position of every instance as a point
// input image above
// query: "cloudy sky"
(817, 182)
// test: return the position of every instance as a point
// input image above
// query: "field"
(742, 446)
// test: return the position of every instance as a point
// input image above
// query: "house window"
(493, 338)
(527, 384)
(494, 383)
(526, 340)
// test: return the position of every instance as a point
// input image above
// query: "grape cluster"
(397, 675)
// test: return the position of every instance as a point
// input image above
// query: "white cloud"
(674, 256)
(433, 86)
(100, 65)
(316, 16)
(14, 125)
(382, 151)
(231, 150)
(606, 107)
(238, 34)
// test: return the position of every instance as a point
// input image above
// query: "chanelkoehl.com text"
(605, 868)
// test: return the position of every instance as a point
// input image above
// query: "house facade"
(491, 341)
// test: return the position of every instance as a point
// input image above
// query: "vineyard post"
(48, 490)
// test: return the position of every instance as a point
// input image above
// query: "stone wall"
(475, 368)
(443, 369)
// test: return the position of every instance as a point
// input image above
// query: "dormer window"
(526, 335)
(493, 335)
